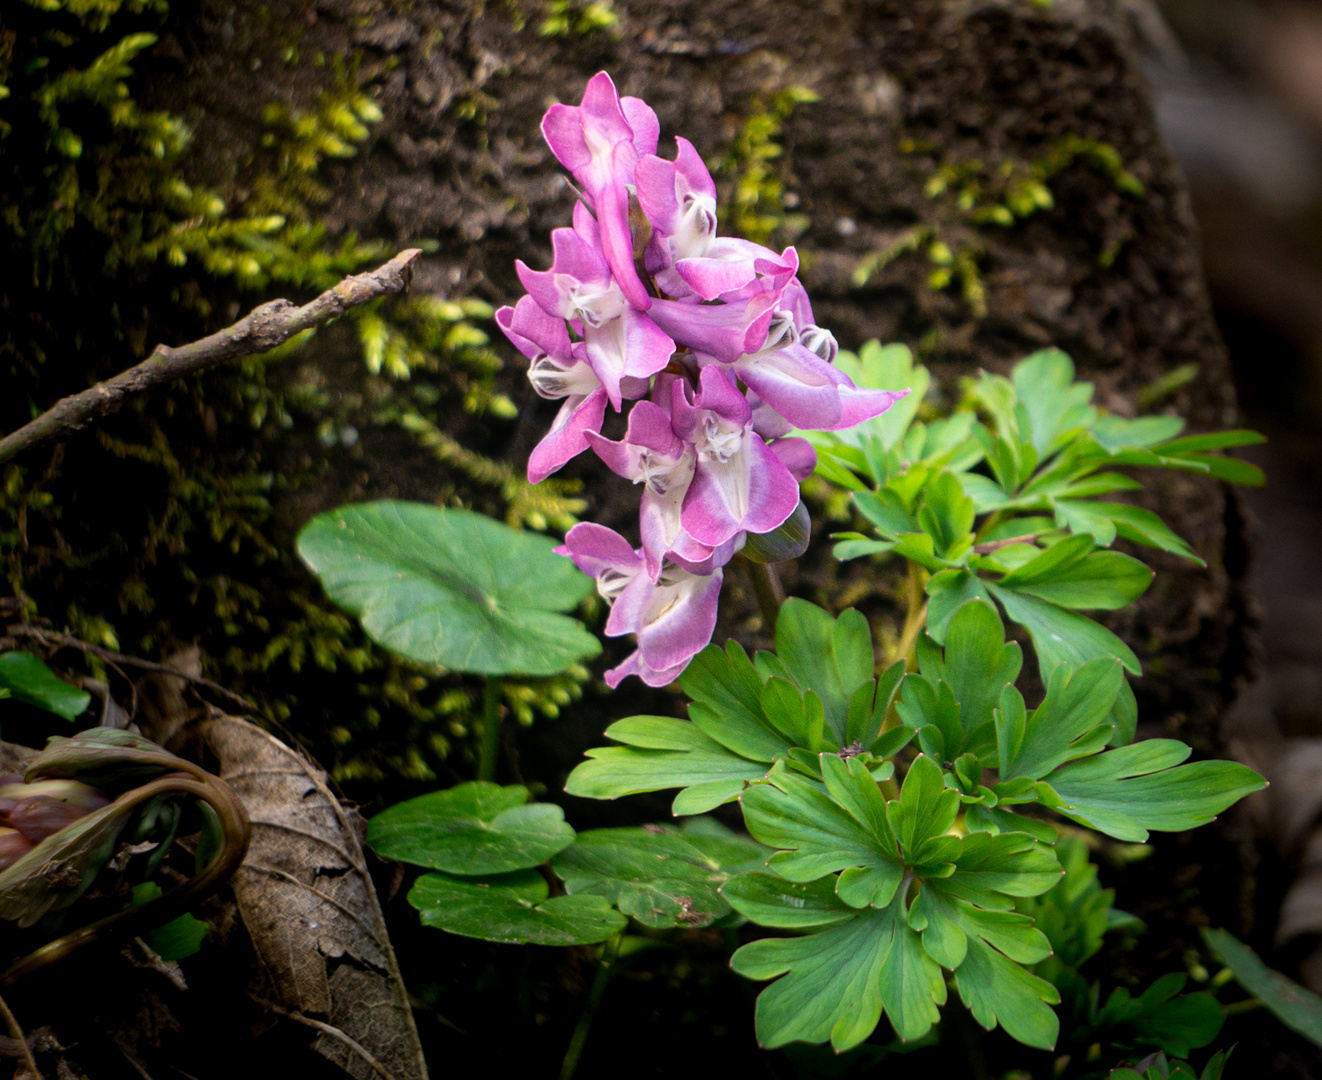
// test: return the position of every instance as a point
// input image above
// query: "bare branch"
(21, 631)
(264, 328)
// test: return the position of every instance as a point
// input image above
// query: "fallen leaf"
(307, 900)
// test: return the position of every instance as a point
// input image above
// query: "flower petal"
(567, 437)
(595, 548)
(634, 665)
(680, 621)
(799, 456)
(533, 331)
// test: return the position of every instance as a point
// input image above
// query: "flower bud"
(819, 341)
(73, 792)
(13, 846)
(41, 816)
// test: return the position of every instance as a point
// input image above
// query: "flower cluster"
(714, 340)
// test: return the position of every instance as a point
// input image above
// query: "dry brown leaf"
(306, 898)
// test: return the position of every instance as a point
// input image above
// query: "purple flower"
(808, 391)
(555, 373)
(711, 446)
(687, 258)
(739, 483)
(652, 454)
(620, 341)
(725, 331)
(600, 142)
(673, 617)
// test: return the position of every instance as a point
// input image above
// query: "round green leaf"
(513, 910)
(450, 587)
(471, 829)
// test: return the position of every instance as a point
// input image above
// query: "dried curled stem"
(264, 328)
(236, 830)
(24, 1051)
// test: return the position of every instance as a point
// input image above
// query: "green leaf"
(1133, 789)
(946, 515)
(977, 662)
(998, 991)
(1075, 913)
(513, 909)
(1226, 469)
(176, 940)
(986, 495)
(1213, 440)
(837, 983)
(832, 657)
(661, 752)
(818, 836)
(922, 816)
(989, 869)
(949, 591)
(856, 549)
(1069, 723)
(886, 510)
(25, 678)
(1061, 636)
(1070, 574)
(451, 588)
(727, 703)
(1117, 433)
(1056, 405)
(1298, 1009)
(658, 875)
(475, 828)
(770, 900)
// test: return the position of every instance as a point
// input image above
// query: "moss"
(758, 198)
(160, 528)
(582, 17)
(972, 195)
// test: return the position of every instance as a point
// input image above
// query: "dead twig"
(264, 328)
(335, 1033)
(51, 637)
(25, 1051)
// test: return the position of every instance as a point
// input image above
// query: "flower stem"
(915, 618)
(769, 591)
(610, 952)
(486, 768)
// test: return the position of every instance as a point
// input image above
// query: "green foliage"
(660, 876)
(750, 717)
(451, 588)
(971, 195)
(513, 909)
(952, 911)
(1159, 1067)
(1075, 915)
(582, 17)
(486, 841)
(473, 828)
(758, 200)
(125, 231)
(893, 886)
(1030, 531)
(25, 678)
(1295, 1007)
(179, 938)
